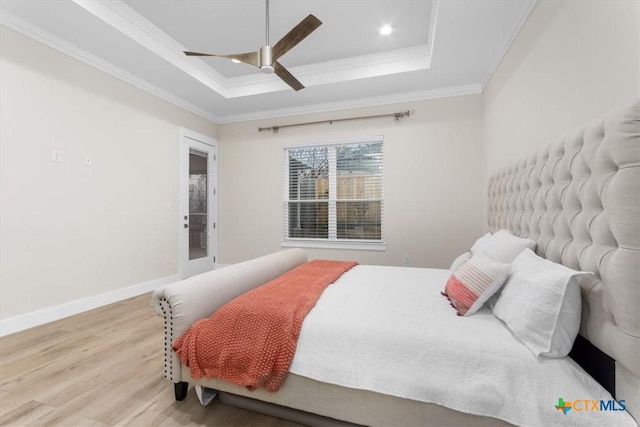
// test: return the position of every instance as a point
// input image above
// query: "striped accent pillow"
(474, 283)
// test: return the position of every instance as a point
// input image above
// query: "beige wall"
(572, 62)
(68, 231)
(432, 194)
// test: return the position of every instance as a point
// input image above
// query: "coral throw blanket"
(251, 340)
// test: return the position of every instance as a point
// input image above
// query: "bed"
(578, 201)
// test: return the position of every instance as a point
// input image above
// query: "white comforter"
(388, 330)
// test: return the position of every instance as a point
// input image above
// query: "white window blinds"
(334, 193)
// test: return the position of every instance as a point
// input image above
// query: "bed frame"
(579, 199)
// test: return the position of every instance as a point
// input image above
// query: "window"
(333, 195)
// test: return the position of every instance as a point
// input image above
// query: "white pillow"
(541, 304)
(461, 259)
(457, 263)
(474, 283)
(502, 246)
(480, 242)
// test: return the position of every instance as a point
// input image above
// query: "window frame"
(332, 241)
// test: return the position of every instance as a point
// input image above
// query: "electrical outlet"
(406, 259)
(56, 155)
(167, 260)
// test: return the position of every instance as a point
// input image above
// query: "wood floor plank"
(46, 359)
(61, 418)
(28, 413)
(15, 347)
(102, 368)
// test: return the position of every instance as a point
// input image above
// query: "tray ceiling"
(437, 48)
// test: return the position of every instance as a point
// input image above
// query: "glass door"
(198, 204)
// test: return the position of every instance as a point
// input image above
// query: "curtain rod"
(397, 116)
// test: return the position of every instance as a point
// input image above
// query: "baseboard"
(40, 317)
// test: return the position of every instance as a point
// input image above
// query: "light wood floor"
(102, 368)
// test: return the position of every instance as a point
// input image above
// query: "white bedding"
(388, 330)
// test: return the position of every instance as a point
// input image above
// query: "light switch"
(88, 161)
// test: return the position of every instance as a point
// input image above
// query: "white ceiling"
(438, 48)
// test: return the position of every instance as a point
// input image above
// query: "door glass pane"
(198, 204)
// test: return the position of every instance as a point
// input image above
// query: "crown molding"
(129, 22)
(508, 44)
(424, 95)
(12, 21)
(25, 28)
(412, 58)
(396, 61)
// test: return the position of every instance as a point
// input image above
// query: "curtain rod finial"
(398, 116)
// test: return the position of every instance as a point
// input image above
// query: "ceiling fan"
(266, 58)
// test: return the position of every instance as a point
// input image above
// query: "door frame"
(189, 138)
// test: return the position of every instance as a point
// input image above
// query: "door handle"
(186, 226)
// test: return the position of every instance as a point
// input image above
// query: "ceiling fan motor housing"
(266, 60)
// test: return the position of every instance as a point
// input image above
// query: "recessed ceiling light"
(237, 61)
(385, 30)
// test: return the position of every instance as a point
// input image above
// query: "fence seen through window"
(334, 192)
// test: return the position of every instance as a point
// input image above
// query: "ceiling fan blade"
(295, 36)
(286, 76)
(251, 58)
(198, 54)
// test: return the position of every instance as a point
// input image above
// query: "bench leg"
(180, 390)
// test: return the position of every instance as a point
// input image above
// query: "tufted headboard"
(579, 199)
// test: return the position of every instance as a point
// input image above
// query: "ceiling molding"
(25, 28)
(125, 20)
(129, 22)
(507, 45)
(435, 8)
(354, 68)
(11, 21)
(424, 95)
